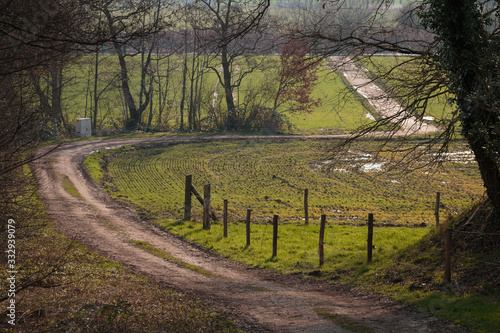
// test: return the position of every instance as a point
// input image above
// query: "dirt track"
(386, 106)
(257, 301)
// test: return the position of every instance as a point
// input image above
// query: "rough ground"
(257, 301)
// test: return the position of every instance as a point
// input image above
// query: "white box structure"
(83, 127)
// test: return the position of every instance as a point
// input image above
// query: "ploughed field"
(270, 176)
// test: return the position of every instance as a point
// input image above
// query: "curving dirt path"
(256, 300)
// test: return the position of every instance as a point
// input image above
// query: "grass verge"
(70, 188)
(343, 321)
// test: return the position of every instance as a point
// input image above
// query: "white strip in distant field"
(386, 106)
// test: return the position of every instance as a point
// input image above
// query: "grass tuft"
(167, 256)
(70, 188)
(343, 321)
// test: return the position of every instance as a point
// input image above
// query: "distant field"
(269, 177)
(339, 112)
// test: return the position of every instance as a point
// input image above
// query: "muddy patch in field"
(356, 161)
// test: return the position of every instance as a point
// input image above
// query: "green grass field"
(270, 176)
(339, 113)
(345, 246)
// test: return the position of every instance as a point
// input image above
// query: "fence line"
(477, 232)
(306, 206)
(447, 255)
(369, 245)
(208, 214)
(321, 251)
(249, 212)
(206, 207)
(462, 255)
(275, 235)
(224, 218)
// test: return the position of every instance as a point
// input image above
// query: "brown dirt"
(256, 300)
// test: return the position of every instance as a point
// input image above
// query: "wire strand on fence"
(477, 232)
(470, 258)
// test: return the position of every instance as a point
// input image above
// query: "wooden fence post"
(275, 235)
(306, 206)
(225, 217)
(370, 237)
(187, 198)
(436, 208)
(249, 212)
(206, 207)
(447, 260)
(321, 240)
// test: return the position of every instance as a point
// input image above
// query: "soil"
(255, 300)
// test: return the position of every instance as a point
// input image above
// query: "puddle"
(464, 157)
(359, 160)
(372, 167)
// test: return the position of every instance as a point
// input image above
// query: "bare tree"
(235, 31)
(132, 25)
(166, 88)
(36, 39)
(34, 42)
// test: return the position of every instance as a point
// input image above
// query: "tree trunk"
(489, 170)
(193, 89)
(184, 75)
(96, 95)
(465, 56)
(134, 119)
(56, 96)
(232, 121)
